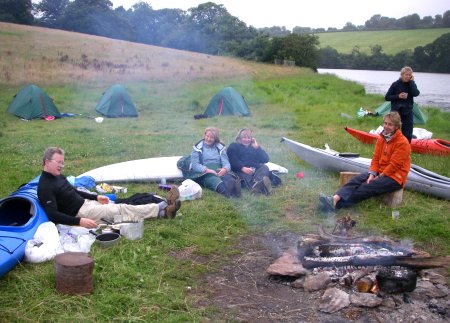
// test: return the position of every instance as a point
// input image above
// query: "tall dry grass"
(48, 56)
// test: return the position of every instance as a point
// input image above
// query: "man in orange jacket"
(387, 173)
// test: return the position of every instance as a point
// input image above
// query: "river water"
(434, 88)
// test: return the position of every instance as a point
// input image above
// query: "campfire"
(362, 271)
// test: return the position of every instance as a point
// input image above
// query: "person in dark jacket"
(401, 94)
(248, 161)
(66, 205)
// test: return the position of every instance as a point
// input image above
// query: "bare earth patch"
(242, 291)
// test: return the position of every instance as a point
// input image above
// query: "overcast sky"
(310, 13)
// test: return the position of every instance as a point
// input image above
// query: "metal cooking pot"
(397, 281)
(106, 240)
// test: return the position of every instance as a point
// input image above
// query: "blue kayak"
(20, 216)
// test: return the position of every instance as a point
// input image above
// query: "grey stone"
(333, 300)
(287, 265)
(365, 300)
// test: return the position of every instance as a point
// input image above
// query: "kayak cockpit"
(16, 211)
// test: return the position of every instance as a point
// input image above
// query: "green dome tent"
(116, 103)
(226, 102)
(418, 116)
(31, 102)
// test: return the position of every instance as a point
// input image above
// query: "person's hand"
(88, 223)
(403, 95)
(210, 171)
(371, 178)
(247, 170)
(254, 143)
(222, 172)
(102, 199)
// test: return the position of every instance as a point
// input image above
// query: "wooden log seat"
(73, 272)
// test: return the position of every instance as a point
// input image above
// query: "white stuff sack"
(45, 244)
(420, 133)
(189, 190)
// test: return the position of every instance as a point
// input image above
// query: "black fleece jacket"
(402, 105)
(60, 200)
(241, 156)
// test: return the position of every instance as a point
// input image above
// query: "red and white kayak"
(420, 146)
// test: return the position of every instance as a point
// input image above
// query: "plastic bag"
(75, 239)
(45, 244)
(190, 190)
(377, 131)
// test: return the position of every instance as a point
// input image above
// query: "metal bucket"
(132, 231)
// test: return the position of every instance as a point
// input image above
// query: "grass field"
(392, 41)
(149, 280)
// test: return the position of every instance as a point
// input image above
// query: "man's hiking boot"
(257, 187)
(170, 211)
(327, 203)
(263, 186)
(229, 185)
(237, 188)
(173, 203)
(267, 185)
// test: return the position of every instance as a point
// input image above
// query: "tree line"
(209, 28)
(429, 58)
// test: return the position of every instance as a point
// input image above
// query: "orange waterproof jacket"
(392, 159)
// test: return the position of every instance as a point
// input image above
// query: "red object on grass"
(300, 175)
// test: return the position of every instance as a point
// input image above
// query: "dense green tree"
(51, 12)
(434, 57)
(446, 19)
(349, 27)
(16, 11)
(276, 31)
(409, 22)
(96, 17)
(427, 22)
(404, 58)
(302, 30)
(302, 48)
(330, 58)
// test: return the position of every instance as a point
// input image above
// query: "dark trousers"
(407, 124)
(250, 180)
(357, 189)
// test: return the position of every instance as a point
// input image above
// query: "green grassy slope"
(392, 41)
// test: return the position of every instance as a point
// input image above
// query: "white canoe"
(148, 169)
(419, 179)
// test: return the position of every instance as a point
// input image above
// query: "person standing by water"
(401, 94)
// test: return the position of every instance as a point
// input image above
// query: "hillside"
(49, 56)
(392, 41)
